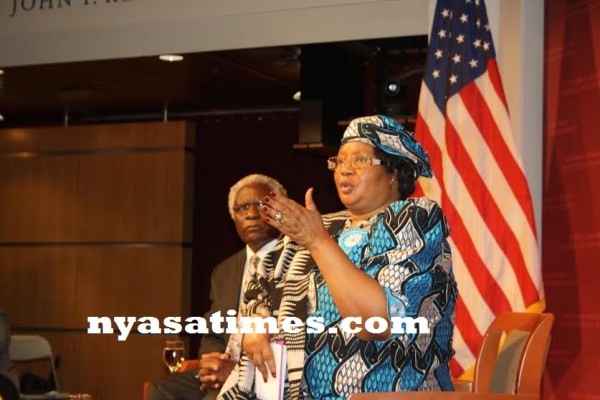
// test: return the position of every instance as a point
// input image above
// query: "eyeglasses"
(358, 161)
(244, 208)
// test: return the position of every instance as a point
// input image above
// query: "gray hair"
(260, 179)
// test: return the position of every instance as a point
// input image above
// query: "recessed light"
(170, 57)
(297, 96)
(1, 72)
(1, 117)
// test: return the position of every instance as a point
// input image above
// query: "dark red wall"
(571, 202)
(228, 148)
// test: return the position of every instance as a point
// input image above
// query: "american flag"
(464, 124)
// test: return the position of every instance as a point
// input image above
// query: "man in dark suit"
(9, 379)
(218, 353)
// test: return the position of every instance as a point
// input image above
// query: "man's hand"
(214, 370)
(257, 347)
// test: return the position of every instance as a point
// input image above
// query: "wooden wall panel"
(129, 197)
(145, 135)
(97, 221)
(59, 287)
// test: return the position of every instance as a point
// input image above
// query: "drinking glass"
(174, 355)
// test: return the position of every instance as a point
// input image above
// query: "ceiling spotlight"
(297, 96)
(171, 57)
(1, 72)
(1, 117)
(394, 87)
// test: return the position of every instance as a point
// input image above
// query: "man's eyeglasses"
(243, 209)
(358, 161)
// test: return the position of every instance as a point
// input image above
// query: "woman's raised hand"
(301, 224)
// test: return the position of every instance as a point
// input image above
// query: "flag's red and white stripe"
(480, 183)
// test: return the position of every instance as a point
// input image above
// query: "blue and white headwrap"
(390, 136)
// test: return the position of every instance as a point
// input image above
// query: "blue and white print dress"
(406, 251)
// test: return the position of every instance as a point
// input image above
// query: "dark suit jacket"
(225, 286)
(7, 367)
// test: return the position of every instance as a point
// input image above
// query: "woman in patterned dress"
(386, 258)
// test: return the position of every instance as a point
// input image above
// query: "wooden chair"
(186, 366)
(510, 363)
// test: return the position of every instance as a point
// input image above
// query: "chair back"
(511, 362)
(30, 348)
(513, 354)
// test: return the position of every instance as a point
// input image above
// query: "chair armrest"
(145, 390)
(461, 385)
(188, 365)
(440, 396)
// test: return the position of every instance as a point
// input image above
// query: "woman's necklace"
(364, 224)
(354, 238)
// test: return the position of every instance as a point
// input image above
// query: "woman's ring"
(279, 217)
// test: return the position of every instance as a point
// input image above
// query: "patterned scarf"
(288, 296)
